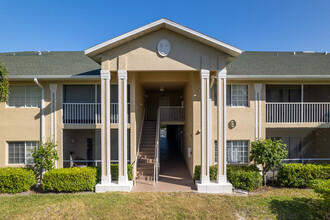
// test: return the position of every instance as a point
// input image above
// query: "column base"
(114, 187)
(214, 187)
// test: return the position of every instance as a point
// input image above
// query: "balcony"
(171, 114)
(89, 113)
(297, 103)
(289, 112)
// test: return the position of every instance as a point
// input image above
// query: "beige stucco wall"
(23, 124)
(17, 124)
(141, 54)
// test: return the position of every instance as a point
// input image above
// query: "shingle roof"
(280, 63)
(49, 63)
(68, 63)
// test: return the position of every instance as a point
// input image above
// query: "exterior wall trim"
(278, 76)
(54, 76)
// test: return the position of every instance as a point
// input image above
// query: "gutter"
(42, 120)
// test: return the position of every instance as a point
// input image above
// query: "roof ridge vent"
(39, 53)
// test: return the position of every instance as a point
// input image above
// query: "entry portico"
(188, 54)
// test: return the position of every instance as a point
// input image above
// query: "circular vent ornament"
(164, 47)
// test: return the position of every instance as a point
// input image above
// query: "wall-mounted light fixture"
(232, 124)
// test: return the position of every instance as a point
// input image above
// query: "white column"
(257, 89)
(221, 76)
(122, 130)
(221, 185)
(224, 106)
(206, 126)
(105, 127)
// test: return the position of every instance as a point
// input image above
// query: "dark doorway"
(89, 150)
(173, 168)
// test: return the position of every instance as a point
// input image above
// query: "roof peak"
(156, 25)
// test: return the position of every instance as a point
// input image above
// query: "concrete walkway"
(174, 174)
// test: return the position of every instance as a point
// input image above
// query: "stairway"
(146, 158)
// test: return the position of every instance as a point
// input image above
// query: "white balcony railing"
(171, 113)
(89, 113)
(297, 112)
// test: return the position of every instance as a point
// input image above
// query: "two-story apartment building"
(99, 105)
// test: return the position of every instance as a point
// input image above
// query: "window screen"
(24, 96)
(20, 152)
(237, 95)
(237, 151)
(283, 93)
(114, 144)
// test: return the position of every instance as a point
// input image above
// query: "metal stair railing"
(156, 162)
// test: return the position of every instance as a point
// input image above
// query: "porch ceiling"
(167, 86)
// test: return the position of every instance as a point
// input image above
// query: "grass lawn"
(273, 204)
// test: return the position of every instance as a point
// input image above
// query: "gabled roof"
(49, 64)
(249, 65)
(258, 64)
(162, 23)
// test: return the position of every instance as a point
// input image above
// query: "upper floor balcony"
(82, 104)
(298, 104)
(89, 113)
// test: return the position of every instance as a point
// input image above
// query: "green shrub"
(243, 177)
(70, 180)
(213, 172)
(323, 188)
(114, 172)
(15, 180)
(299, 175)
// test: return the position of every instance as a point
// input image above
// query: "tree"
(4, 84)
(268, 153)
(44, 157)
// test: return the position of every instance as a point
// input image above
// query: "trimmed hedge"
(243, 177)
(299, 175)
(78, 179)
(15, 180)
(114, 172)
(322, 187)
(70, 180)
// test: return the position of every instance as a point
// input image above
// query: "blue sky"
(261, 25)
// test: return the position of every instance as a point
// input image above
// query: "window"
(20, 152)
(237, 151)
(90, 93)
(216, 152)
(237, 95)
(27, 96)
(283, 93)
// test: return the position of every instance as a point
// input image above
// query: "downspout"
(42, 118)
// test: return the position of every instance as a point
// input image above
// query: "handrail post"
(156, 160)
(302, 103)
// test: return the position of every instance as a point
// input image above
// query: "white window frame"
(231, 96)
(34, 144)
(230, 151)
(215, 151)
(25, 98)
